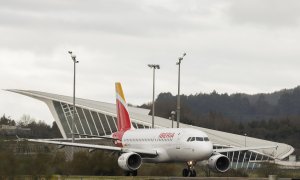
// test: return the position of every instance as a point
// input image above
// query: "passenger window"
(199, 138)
(189, 139)
(193, 139)
(206, 139)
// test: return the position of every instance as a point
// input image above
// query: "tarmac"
(164, 178)
(58, 177)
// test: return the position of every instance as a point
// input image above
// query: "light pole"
(245, 139)
(178, 96)
(73, 57)
(173, 116)
(154, 66)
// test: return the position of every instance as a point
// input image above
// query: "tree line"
(237, 107)
(39, 129)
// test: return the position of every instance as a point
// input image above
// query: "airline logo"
(124, 122)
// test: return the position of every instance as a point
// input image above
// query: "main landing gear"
(131, 173)
(190, 171)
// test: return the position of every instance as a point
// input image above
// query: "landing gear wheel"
(190, 171)
(185, 172)
(127, 173)
(193, 173)
(130, 173)
(134, 173)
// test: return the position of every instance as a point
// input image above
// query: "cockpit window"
(199, 138)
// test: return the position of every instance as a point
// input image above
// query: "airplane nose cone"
(206, 150)
(209, 148)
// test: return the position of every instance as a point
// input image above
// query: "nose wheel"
(190, 170)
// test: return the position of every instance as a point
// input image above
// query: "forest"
(237, 107)
(39, 129)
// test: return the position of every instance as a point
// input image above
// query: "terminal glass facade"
(88, 121)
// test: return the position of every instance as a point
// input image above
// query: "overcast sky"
(249, 46)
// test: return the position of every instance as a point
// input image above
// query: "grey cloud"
(270, 13)
(119, 17)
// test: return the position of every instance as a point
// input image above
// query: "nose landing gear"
(190, 171)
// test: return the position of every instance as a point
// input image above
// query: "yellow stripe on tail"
(119, 91)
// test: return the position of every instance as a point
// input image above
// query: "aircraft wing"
(242, 149)
(95, 136)
(95, 146)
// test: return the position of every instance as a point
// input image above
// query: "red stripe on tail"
(124, 122)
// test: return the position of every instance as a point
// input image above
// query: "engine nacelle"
(219, 163)
(130, 161)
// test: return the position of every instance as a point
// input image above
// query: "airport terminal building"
(99, 118)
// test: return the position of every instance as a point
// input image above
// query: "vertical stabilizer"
(124, 122)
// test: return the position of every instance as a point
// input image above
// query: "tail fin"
(124, 122)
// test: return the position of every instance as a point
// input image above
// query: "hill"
(239, 107)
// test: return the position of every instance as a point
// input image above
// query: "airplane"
(161, 145)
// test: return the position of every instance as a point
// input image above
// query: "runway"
(159, 178)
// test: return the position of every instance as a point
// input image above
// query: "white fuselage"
(171, 144)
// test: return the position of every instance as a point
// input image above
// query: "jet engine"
(219, 163)
(130, 161)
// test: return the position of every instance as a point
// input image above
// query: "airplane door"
(178, 144)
